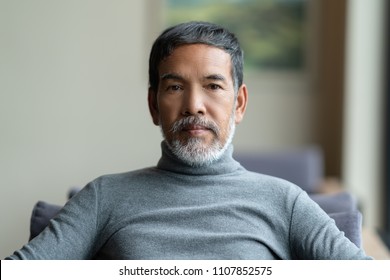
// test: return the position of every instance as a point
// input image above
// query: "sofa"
(304, 167)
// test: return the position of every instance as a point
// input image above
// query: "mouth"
(194, 127)
(195, 130)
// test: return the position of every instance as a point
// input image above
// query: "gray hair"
(196, 32)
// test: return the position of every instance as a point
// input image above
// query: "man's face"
(195, 103)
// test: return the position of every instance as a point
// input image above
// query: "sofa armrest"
(351, 224)
(41, 215)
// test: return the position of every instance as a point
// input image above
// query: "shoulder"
(271, 184)
(124, 176)
(268, 190)
(118, 182)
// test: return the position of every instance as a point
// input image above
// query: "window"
(271, 32)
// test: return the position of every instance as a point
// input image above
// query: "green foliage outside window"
(271, 32)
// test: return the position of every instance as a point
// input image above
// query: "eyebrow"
(174, 76)
(171, 76)
(216, 77)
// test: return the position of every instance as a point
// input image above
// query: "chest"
(227, 230)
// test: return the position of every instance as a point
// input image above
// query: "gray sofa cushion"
(41, 215)
(342, 207)
(303, 167)
(335, 202)
(351, 224)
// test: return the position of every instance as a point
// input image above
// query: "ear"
(241, 102)
(153, 106)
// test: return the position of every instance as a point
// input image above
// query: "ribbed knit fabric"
(175, 211)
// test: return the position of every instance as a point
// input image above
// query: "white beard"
(195, 153)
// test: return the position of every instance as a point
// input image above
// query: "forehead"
(197, 58)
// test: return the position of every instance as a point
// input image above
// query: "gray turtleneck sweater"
(175, 211)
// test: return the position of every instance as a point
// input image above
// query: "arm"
(72, 234)
(314, 235)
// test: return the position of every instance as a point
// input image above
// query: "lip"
(196, 130)
(195, 127)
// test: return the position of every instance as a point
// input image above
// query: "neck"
(223, 165)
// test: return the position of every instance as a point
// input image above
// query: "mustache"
(195, 120)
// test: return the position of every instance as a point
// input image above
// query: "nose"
(193, 102)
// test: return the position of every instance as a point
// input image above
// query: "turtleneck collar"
(224, 165)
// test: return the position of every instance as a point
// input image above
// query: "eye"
(174, 88)
(214, 87)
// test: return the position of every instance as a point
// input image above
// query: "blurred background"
(73, 93)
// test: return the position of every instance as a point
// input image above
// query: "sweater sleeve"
(314, 235)
(72, 234)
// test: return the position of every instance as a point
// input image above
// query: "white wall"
(363, 122)
(73, 85)
(280, 115)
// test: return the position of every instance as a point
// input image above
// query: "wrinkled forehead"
(197, 58)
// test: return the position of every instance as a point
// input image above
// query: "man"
(198, 202)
